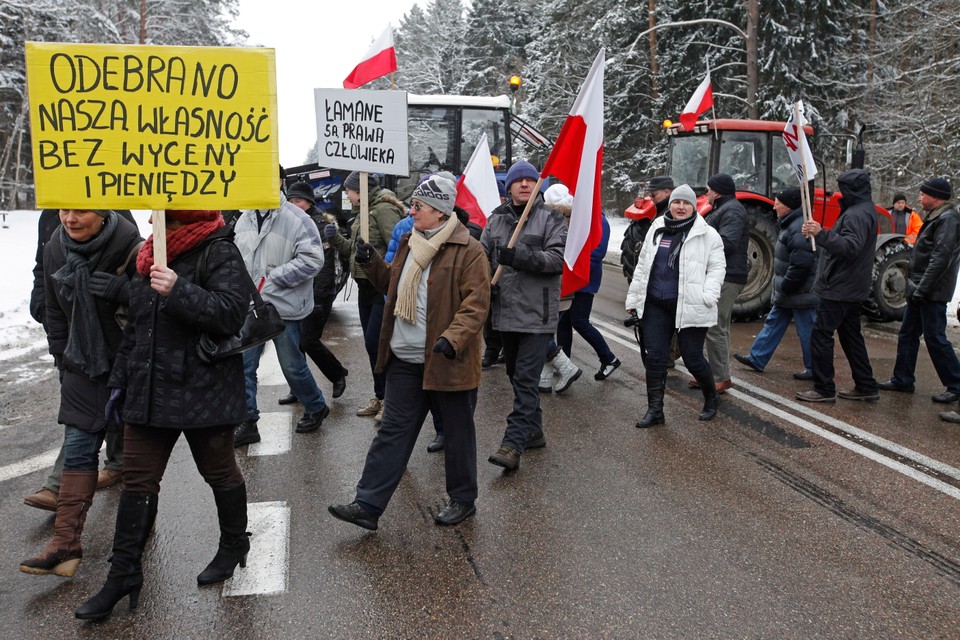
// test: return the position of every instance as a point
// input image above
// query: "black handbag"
(262, 324)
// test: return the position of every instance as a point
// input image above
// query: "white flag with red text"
(700, 102)
(477, 191)
(379, 60)
(577, 160)
(797, 145)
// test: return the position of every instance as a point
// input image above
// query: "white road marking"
(269, 373)
(266, 570)
(276, 435)
(29, 465)
(615, 333)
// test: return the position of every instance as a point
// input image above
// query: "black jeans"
(842, 318)
(406, 407)
(311, 332)
(659, 320)
(524, 355)
(370, 305)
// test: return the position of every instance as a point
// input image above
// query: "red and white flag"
(477, 191)
(577, 161)
(797, 148)
(380, 60)
(700, 102)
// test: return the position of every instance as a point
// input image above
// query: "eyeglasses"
(418, 206)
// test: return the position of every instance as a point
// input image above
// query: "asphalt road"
(775, 520)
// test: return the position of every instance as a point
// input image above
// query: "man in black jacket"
(843, 282)
(659, 189)
(933, 278)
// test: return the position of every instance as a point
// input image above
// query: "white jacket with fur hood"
(702, 269)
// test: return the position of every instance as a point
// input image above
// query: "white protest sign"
(362, 130)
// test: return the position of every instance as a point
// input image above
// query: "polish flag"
(577, 161)
(700, 102)
(477, 191)
(380, 60)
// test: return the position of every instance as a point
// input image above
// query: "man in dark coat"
(659, 189)
(933, 279)
(843, 283)
(794, 272)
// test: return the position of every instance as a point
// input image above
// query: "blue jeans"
(577, 317)
(81, 449)
(928, 319)
(293, 364)
(775, 327)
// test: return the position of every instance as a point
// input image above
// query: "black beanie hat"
(897, 197)
(937, 187)
(790, 197)
(660, 182)
(302, 190)
(722, 184)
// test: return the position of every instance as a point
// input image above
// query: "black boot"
(711, 399)
(135, 516)
(654, 415)
(234, 538)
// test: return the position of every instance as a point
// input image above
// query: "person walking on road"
(676, 287)
(658, 189)
(525, 303)
(843, 282)
(161, 389)
(794, 272)
(933, 278)
(438, 294)
(83, 336)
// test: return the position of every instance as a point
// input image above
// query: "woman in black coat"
(163, 389)
(83, 277)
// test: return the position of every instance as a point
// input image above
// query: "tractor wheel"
(754, 299)
(890, 271)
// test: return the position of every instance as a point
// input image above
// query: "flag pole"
(159, 218)
(713, 108)
(520, 223)
(805, 188)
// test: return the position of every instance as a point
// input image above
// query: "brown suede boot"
(63, 554)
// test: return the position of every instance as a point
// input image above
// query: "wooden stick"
(520, 223)
(364, 207)
(805, 187)
(159, 237)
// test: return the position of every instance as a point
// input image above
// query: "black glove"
(443, 346)
(109, 287)
(364, 251)
(506, 256)
(113, 411)
(917, 296)
(330, 231)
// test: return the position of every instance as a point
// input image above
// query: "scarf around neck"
(86, 344)
(422, 252)
(178, 242)
(678, 229)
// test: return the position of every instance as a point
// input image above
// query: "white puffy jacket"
(702, 269)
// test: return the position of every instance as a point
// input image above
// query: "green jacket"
(385, 212)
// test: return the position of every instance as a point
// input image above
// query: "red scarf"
(178, 242)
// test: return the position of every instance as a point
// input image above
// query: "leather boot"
(711, 399)
(654, 415)
(63, 554)
(135, 516)
(234, 538)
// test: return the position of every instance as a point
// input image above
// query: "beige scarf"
(422, 252)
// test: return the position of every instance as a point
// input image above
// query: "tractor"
(754, 154)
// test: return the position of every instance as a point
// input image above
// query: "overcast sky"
(317, 45)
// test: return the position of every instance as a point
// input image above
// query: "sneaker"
(811, 395)
(490, 358)
(379, 417)
(745, 360)
(607, 369)
(373, 408)
(535, 441)
(858, 394)
(311, 421)
(946, 416)
(246, 433)
(506, 457)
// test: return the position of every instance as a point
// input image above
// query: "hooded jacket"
(794, 265)
(729, 218)
(846, 266)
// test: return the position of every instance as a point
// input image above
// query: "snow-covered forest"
(893, 67)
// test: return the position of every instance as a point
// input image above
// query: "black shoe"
(354, 514)
(311, 421)
(535, 441)
(859, 394)
(745, 360)
(506, 457)
(607, 369)
(947, 397)
(288, 399)
(454, 513)
(803, 375)
(246, 433)
(339, 386)
(890, 385)
(490, 358)
(436, 444)
(101, 605)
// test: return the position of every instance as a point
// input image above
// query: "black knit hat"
(937, 188)
(790, 197)
(302, 190)
(897, 197)
(722, 184)
(660, 182)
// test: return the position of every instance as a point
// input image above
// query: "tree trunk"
(753, 74)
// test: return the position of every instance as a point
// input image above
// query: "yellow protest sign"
(147, 127)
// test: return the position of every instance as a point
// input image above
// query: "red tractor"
(753, 153)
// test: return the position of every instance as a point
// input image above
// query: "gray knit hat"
(685, 193)
(440, 193)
